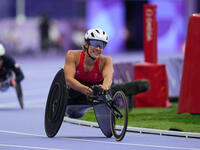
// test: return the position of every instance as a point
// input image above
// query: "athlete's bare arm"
(107, 72)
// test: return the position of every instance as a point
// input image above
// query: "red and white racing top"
(91, 78)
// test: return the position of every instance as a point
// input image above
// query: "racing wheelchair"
(111, 111)
(110, 106)
(5, 84)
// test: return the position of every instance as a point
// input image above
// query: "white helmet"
(2, 50)
(96, 34)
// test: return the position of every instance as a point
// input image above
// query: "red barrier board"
(150, 33)
(157, 96)
(189, 101)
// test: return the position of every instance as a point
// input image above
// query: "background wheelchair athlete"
(10, 74)
(82, 69)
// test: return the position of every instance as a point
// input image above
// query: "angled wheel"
(56, 104)
(19, 95)
(119, 120)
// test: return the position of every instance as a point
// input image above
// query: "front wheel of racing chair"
(19, 95)
(119, 120)
(18, 89)
(56, 104)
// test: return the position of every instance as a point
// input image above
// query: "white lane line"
(28, 147)
(21, 133)
(139, 145)
(104, 142)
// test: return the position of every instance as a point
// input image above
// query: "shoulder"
(73, 55)
(105, 59)
(73, 52)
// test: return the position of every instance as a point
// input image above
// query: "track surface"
(24, 129)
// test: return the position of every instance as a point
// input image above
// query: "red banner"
(157, 95)
(150, 33)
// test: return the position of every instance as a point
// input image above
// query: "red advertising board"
(150, 33)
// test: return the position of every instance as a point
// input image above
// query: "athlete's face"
(95, 48)
(95, 51)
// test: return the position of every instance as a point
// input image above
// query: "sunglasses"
(96, 43)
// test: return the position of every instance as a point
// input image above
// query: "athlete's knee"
(4, 86)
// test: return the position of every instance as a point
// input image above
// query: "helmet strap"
(89, 54)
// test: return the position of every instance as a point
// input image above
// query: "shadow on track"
(82, 137)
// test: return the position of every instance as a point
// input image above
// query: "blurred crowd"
(41, 35)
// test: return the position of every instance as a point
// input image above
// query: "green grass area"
(158, 118)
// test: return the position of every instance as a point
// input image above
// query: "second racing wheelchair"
(6, 84)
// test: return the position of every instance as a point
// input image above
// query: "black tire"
(19, 95)
(56, 104)
(119, 124)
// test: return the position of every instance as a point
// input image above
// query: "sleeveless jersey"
(90, 78)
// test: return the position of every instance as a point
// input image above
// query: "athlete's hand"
(13, 83)
(89, 92)
(104, 87)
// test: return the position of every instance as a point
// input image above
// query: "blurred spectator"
(11, 37)
(78, 33)
(78, 38)
(44, 31)
(55, 37)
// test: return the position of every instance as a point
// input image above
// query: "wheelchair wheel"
(19, 95)
(56, 104)
(119, 120)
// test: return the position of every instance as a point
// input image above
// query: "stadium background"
(20, 24)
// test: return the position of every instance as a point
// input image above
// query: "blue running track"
(24, 129)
